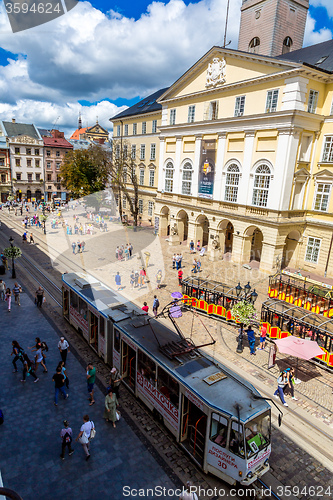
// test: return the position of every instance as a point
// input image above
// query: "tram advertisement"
(158, 400)
(207, 169)
(78, 320)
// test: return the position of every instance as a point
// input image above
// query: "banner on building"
(207, 169)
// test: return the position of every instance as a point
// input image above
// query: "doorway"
(93, 331)
(193, 430)
(128, 365)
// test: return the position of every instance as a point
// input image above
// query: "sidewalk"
(30, 460)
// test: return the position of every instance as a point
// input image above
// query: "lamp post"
(44, 217)
(250, 298)
(13, 264)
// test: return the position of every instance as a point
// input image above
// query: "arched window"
(169, 178)
(254, 45)
(287, 44)
(231, 183)
(261, 186)
(187, 179)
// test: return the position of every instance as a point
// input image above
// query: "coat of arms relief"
(216, 72)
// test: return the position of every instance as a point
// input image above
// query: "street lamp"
(251, 298)
(247, 289)
(13, 264)
(238, 289)
(44, 217)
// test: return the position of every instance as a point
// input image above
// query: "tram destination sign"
(215, 377)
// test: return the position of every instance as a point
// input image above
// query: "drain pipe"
(328, 256)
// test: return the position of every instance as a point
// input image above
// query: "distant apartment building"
(5, 177)
(55, 149)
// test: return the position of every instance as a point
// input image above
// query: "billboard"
(207, 169)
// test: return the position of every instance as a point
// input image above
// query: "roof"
(3, 142)
(78, 132)
(52, 142)
(146, 105)
(44, 132)
(79, 143)
(15, 129)
(319, 55)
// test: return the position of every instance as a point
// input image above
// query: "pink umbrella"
(300, 348)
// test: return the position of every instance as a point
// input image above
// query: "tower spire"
(80, 121)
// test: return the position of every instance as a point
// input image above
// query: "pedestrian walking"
(84, 436)
(115, 380)
(158, 278)
(174, 261)
(66, 436)
(118, 280)
(18, 352)
(194, 266)
(263, 333)
(192, 246)
(156, 305)
(136, 279)
(178, 265)
(117, 253)
(91, 376)
(83, 244)
(63, 347)
(180, 276)
(31, 238)
(39, 359)
(282, 382)
(142, 276)
(132, 279)
(130, 249)
(61, 365)
(28, 369)
(290, 372)
(110, 411)
(4, 261)
(16, 291)
(8, 298)
(188, 494)
(59, 382)
(79, 249)
(2, 289)
(198, 246)
(252, 340)
(145, 307)
(39, 296)
(198, 266)
(73, 246)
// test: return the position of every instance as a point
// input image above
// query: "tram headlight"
(249, 474)
(240, 473)
(266, 461)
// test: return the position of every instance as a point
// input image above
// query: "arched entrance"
(182, 224)
(18, 195)
(202, 232)
(226, 232)
(28, 195)
(164, 222)
(38, 195)
(252, 249)
(289, 251)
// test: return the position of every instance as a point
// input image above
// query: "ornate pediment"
(323, 175)
(301, 175)
(25, 139)
(216, 72)
(96, 129)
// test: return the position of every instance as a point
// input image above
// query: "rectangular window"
(125, 151)
(322, 197)
(29, 177)
(124, 201)
(117, 340)
(117, 152)
(212, 111)
(313, 99)
(37, 152)
(58, 178)
(48, 164)
(172, 116)
(142, 177)
(154, 126)
(48, 153)
(150, 208)
(17, 151)
(118, 130)
(153, 151)
(144, 127)
(58, 153)
(126, 129)
(17, 162)
(312, 250)
(133, 151)
(331, 112)
(142, 152)
(151, 177)
(140, 206)
(328, 149)
(18, 176)
(58, 165)
(49, 177)
(29, 162)
(125, 174)
(168, 386)
(37, 177)
(240, 105)
(271, 101)
(219, 430)
(37, 163)
(28, 151)
(147, 367)
(3, 178)
(191, 114)
(2, 162)
(135, 128)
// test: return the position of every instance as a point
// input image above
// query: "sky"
(102, 56)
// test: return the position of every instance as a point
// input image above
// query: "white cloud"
(311, 37)
(327, 4)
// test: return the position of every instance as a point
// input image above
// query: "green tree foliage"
(12, 252)
(86, 171)
(244, 312)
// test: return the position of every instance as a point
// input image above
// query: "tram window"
(219, 430)
(117, 340)
(257, 434)
(168, 386)
(236, 444)
(74, 301)
(146, 367)
(101, 326)
(321, 340)
(83, 308)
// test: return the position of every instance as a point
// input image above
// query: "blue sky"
(101, 56)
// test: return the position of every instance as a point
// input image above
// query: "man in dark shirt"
(16, 291)
(39, 296)
(59, 380)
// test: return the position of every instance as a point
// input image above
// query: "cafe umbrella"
(300, 348)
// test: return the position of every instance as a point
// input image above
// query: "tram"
(218, 418)
(303, 292)
(282, 319)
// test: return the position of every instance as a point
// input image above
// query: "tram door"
(93, 331)
(65, 301)
(128, 365)
(193, 430)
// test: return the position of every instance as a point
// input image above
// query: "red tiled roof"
(51, 142)
(78, 132)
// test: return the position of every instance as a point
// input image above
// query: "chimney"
(13, 120)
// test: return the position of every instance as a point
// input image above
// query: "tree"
(12, 252)
(244, 312)
(86, 171)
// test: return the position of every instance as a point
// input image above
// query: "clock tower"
(272, 27)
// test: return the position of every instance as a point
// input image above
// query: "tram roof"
(300, 314)
(190, 369)
(302, 282)
(209, 285)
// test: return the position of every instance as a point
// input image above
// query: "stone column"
(195, 183)
(246, 183)
(270, 254)
(218, 184)
(161, 165)
(177, 188)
